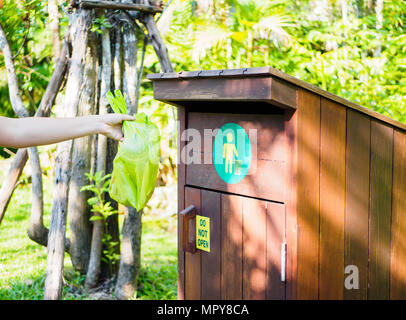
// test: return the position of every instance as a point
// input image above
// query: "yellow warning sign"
(203, 233)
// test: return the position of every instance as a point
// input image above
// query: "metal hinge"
(283, 261)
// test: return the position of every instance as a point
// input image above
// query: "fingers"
(127, 117)
(115, 134)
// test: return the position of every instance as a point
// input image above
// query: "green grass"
(23, 262)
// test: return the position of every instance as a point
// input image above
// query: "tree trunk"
(344, 11)
(130, 261)
(21, 111)
(117, 60)
(78, 208)
(130, 77)
(56, 238)
(10, 182)
(131, 234)
(54, 26)
(110, 269)
(44, 110)
(15, 98)
(158, 44)
(36, 230)
(93, 272)
(379, 24)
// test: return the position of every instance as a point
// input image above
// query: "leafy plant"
(99, 185)
(102, 209)
(100, 23)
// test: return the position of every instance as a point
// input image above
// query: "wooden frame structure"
(330, 182)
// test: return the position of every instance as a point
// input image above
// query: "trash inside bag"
(135, 167)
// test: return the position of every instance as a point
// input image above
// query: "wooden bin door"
(246, 237)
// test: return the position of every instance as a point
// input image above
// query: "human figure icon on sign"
(231, 153)
(229, 150)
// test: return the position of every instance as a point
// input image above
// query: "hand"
(112, 125)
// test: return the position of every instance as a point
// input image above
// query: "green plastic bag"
(135, 167)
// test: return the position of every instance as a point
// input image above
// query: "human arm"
(34, 131)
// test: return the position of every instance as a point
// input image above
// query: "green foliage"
(99, 24)
(23, 262)
(109, 254)
(25, 25)
(352, 58)
(99, 186)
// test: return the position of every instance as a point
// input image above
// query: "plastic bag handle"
(186, 216)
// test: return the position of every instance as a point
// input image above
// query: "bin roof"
(265, 72)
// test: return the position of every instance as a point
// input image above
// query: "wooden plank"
(275, 232)
(273, 91)
(268, 154)
(398, 249)
(256, 185)
(380, 206)
(357, 200)
(308, 136)
(274, 73)
(231, 247)
(254, 249)
(332, 199)
(181, 201)
(270, 130)
(291, 204)
(193, 260)
(211, 261)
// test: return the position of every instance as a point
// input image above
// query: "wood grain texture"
(398, 248)
(231, 247)
(308, 187)
(380, 210)
(268, 148)
(254, 249)
(274, 73)
(78, 207)
(332, 199)
(275, 233)
(291, 205)
(357, 200)
(211, 261)
(193, 260)
(271, 90)
(57, 228)
(181, 201)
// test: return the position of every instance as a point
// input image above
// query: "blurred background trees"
(353, 48)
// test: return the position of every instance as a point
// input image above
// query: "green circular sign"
(231, 153)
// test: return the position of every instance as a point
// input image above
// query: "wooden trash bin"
(310, 204)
